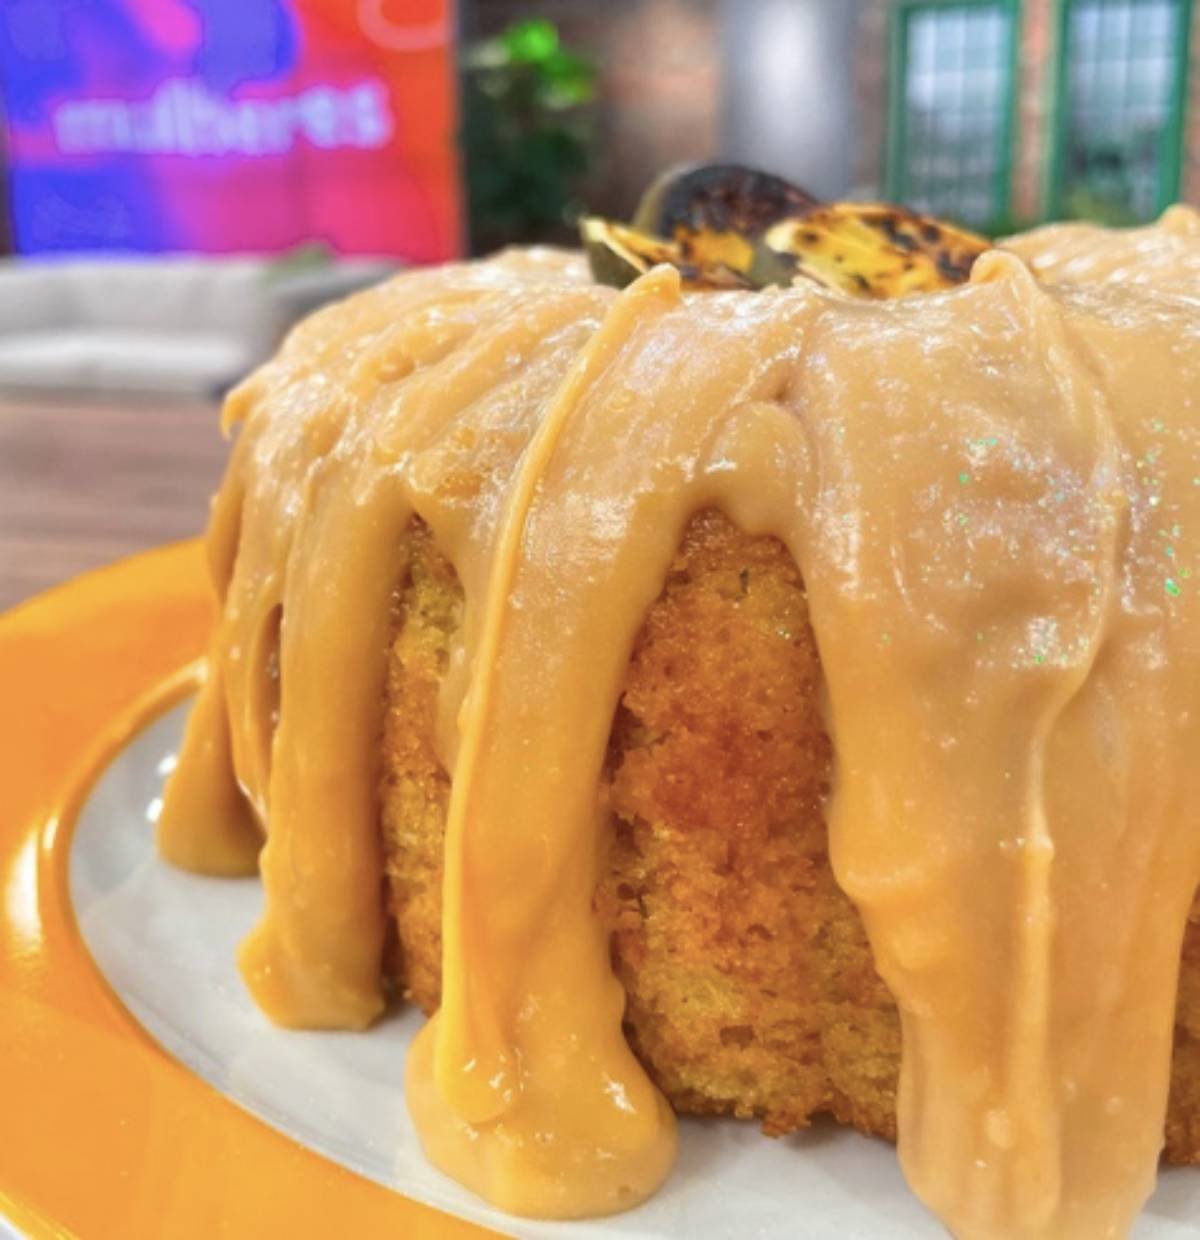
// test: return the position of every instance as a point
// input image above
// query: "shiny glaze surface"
(990, 494)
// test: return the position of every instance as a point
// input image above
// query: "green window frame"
(1121, 73)
(951, 107)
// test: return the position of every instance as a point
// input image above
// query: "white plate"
(165, 940)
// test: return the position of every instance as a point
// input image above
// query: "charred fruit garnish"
(619, 254)
(718, 198)
(870, 250)
(724, 226)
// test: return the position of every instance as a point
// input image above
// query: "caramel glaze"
(992, 494)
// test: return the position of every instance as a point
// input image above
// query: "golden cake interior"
(751, 986)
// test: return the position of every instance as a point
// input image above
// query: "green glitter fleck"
(963, 519)
(1039, 657)
(1170, 553)
(964, 477)
(1172, 587)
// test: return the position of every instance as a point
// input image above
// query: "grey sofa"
(181, 326)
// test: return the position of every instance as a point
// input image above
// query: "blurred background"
(180, 180)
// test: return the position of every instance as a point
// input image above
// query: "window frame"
(896, 146)
(1174, 135)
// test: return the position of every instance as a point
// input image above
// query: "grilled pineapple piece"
(725, 199)
(618, 255)
(724, 226)
(868, 250)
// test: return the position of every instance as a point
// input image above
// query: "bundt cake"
(695, 696)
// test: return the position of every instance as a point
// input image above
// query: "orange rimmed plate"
(101, 1132)
(103, 1129)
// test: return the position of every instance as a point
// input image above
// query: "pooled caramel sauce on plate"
(992, 494)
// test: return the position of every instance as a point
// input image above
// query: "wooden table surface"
(82, 483)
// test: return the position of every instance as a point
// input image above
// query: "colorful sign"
(231, 125)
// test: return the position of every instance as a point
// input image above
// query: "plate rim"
(84, 667)
(91, 1101)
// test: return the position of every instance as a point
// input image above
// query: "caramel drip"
(990, 494)
(206, 825)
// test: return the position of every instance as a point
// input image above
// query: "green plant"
(526, 135)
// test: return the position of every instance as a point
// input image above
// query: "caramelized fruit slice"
(867, 250)
(725, 226)
(618, 255)
(723, 199)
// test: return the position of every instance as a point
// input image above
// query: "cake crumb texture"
(750, 982)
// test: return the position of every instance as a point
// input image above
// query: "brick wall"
(1032, 131)
(871, 91)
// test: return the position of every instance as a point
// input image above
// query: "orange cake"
(754, 700)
